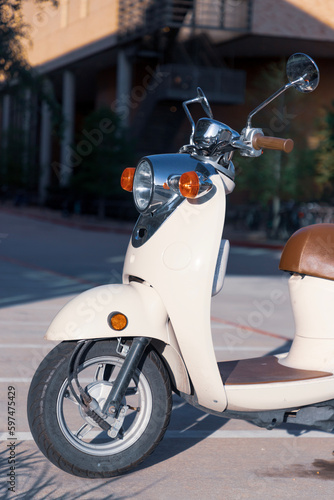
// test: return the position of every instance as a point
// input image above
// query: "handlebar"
(260, 141)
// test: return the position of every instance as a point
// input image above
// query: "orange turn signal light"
(189, 184)
(127, 178)
(118, 321)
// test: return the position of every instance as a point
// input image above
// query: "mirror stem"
(267, 101)
(185, 107)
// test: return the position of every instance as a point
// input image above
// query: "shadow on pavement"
(40, 259)
(36, 478)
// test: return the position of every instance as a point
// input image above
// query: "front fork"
(113, 402)
(112, 406)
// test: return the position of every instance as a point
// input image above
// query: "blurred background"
(88, 87)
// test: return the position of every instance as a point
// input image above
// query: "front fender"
(85, 316)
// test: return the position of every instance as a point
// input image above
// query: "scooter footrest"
(263, 370)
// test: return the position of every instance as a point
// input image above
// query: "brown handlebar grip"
(260, 141)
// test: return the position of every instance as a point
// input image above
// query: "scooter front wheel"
(72, 440)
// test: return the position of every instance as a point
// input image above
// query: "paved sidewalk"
(237, 237)
(202, 456)
(86, 222)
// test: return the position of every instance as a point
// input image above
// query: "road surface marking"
(11, 380)
(249, 328)
(115, 260)
(25, 346)
(219, 434)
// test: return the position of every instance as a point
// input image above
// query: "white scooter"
(101, 400)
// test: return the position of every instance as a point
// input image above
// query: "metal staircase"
(179, 83)
(138, 18)
(178, 33)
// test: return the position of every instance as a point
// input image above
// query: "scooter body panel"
(86, 317)
(283, 395)
(312, 303)
(312, 349)
(179, 263)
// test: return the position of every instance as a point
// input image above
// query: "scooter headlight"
(143, 186)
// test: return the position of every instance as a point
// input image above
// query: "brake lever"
(239, 144)
(245, 142)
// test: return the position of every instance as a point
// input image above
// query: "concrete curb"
(73, 221)
(87, 223)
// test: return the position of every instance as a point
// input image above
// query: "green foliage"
(13, 64)
(299, 175)
(14, 175)
(291, 176)
(16, 76)
(103, 150)
(276, 174)
(14, 31)
(325, 157)
(255, 178)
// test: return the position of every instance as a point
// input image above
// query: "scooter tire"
(49, 401)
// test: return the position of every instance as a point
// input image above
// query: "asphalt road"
(42, 265)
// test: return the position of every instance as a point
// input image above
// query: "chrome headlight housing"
(143, 184)
(153, 192)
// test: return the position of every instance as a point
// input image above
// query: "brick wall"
(73, 24)
(309, 19)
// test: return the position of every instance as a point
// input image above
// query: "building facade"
(142, 58)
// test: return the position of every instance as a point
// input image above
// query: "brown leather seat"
(310, 251)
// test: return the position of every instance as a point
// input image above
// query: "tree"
(277, 176)
(14, 67)
(102, 152)
(13, 29)
(325, 157)
(17, 159)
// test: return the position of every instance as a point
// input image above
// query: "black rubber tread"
(44, 425)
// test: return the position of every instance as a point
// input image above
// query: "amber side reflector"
(189, 184)
(127, 178)
(118, 321)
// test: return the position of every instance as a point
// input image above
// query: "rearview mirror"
(303, 75)
(302, 72)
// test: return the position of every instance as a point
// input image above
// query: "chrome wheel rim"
(98, 374)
